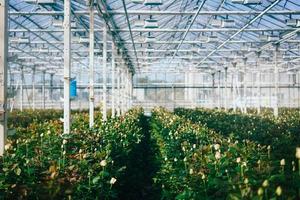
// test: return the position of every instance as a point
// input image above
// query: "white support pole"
(91, 66)
(234, 64)
(113, 65)
(67, 65)
(51, 87)
(118, 97)
(219, 90)
(226, 96)
(104, 114)
(3, 73)
(258, 84)
(21, 88)
(122, 89)
(43, 90)
(127, 88)
(245, 85)
(131, 89)
(123, 101)
(276, 81)
(33, 88)
(213, 89)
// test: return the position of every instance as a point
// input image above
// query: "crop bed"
(189, 154)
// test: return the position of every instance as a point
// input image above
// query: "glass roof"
(203, 34)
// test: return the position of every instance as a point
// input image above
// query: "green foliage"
(42, 163)
(283, 134)
(198, 163)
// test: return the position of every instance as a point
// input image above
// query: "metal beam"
(3, 72)
(159, 12)
(113, 81)
(67, 65)
(165, 42)
(276, 83)
(91, 66)
(189, 27)
(164, 30)
(104, 60)
(241, 30)
(43, 89)
(33, 87)
(131, 35)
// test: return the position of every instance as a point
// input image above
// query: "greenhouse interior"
(150, 99)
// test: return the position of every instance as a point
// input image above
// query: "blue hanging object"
(73, 88)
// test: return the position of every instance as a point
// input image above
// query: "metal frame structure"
(114, 40)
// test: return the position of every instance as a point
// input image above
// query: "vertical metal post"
(43, 90)
(234, 64)
(104, 114)
(21, 88)
(226, 96)
(123, 85)
(33, 88)
(67, 65)
(258, 83)
(245, 85)
(122, 88)
(276, 81)
(113, 65)
(51, 86)
(3, 72)
(213, 88)
(127, 89)
(118, 99)
(91, 66)
(219, 90)
(131, 89)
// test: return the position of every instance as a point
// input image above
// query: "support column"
(131, 89)
(213, 89)
(67, 65)
(33, 88)
(276, 80)
(3, 73)
(118, 99)
(226, 96)
(127, 88)
(122, 101)
(258, 82)
(123, 86)
(113, 65)
(104, 114)
(234, 86)
(51, 87)
(43, 90)
(245, 85)
(21, 88)
(91, 66)
(219, 90)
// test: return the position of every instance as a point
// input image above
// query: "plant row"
(198, 163)
(283, 134)
(42, 163)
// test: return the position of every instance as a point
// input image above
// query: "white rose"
(298, 152)
(282, 162)
(217, 147)
(112, 181)
(103, 163)
(218, 155)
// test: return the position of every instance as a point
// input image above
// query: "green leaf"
(96, 179)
